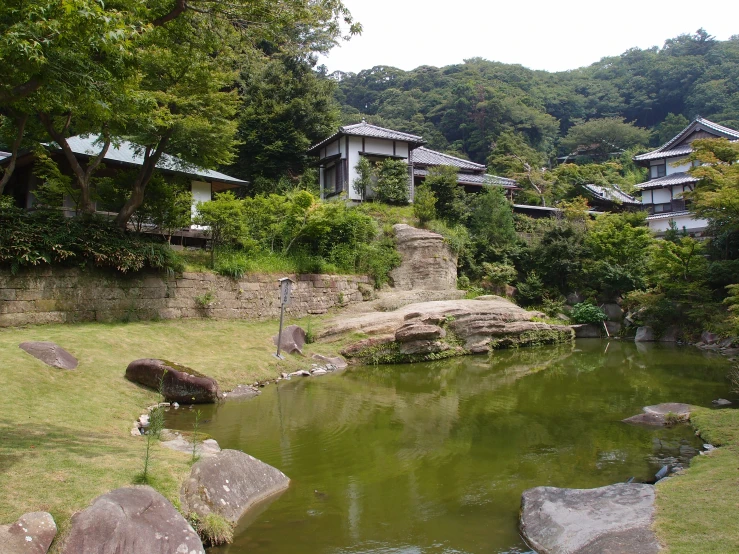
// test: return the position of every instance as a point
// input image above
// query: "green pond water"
(433, 457)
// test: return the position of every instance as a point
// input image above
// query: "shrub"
(424, 204)
(457, 236)
(585, 312)
(46, 237)
(530, 291)
(498, 275)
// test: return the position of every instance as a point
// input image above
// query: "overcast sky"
(537, 34)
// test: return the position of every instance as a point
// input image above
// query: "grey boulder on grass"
(131, 520)
(50, 353)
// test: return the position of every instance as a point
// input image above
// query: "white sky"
(552, 35)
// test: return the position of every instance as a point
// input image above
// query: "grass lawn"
(697, 511)
(65, 435)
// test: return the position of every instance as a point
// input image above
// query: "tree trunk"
(142, 180)
(83, 176)
(20, 122)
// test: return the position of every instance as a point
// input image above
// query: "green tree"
(491, 217)
(392, 182)
(224, 219)
(287, 107)
(716, 196)
(599, 138)
(450, 197)
(365, 175)
(424, 204)
(619, 247)
(670, 126)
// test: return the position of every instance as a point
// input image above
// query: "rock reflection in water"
(432, 458)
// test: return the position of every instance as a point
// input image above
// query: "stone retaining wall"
(72, 295)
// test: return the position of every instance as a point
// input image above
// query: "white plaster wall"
(378, 146)
(686, 221)
(401, 149)
(355, 147)
(646, 197)
(332, 148)
(661, 196)
(681, 166)
(201, 192)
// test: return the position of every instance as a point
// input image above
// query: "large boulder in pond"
(293, 339)
(645, 334)
(616, 519)
(229, 483)
(179, 383)
(31, 534)
(131, 520)
(667, 413)
(51, 354)
(587, 331)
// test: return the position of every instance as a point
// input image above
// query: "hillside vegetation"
(467, 107)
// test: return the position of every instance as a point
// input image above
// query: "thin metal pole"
(279, 335)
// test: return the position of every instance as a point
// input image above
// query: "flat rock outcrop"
(427, 261)
(615, 519)
(132, 519)
(661, 414)
(51, 354)
(33, 533)
(179, 383)
(429, 330)
(230, 483)
(337, 361)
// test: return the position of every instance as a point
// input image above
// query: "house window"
(657, 171)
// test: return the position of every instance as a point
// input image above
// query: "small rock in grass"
(31, 534)
(319, 371)
(51, 354)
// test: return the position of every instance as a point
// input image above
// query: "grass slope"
(696, 511)
(65, 435)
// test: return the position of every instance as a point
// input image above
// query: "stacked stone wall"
(73, 295)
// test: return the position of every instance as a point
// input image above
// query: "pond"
(432, 458)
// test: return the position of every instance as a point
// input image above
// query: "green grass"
(65, 435)
(696, 511)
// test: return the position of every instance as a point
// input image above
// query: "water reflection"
(432, 458)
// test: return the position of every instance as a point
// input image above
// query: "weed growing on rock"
(214, 529)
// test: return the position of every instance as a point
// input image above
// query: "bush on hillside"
(585, 312)
(46, 237)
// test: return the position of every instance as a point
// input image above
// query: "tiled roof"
(474, 178)
(129, 153)
(667, 215)
(657, 154)
(612, 193)
(365, 129)
(426, 156)
(664, 151)
(680, 178)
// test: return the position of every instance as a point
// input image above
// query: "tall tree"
(287, 107)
